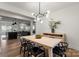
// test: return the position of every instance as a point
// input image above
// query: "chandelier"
(39, 15)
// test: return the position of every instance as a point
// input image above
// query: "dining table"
(47, 42)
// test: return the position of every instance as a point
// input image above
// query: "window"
(6, 28)
(3, 27)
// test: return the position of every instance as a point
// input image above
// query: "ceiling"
(33, 6)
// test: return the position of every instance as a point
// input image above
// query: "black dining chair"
(60, 49)
(33, 50)
(23, 45)
(38, 51)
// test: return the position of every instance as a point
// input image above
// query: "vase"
(53, 30)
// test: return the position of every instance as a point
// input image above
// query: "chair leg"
(24, 52)
(20, 49)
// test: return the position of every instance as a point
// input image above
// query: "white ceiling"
(33, 6)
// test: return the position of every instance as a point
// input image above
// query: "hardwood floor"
(11, 48)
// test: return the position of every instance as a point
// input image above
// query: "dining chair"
(27, 47)
(60, 49)
(38, 51)
(33, 50)
(23, 45)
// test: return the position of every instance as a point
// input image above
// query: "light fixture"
(14, 23)
(40, 14)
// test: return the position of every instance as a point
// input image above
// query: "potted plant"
(53, 25)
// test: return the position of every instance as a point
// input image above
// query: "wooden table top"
(49, 42)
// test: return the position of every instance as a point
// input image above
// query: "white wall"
(42, 27)
(69, 18)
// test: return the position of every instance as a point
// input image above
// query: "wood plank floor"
(11, 48)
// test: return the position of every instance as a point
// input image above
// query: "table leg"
(50, 52)
(46, 52)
